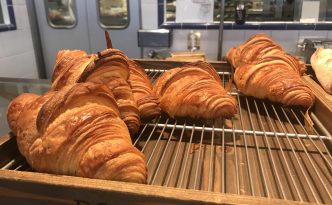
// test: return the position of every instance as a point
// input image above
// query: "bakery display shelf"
(265, 154)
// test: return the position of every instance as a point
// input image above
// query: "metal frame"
(8, 16)
(63, 26)
(113, 27)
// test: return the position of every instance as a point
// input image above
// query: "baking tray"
(265, 154)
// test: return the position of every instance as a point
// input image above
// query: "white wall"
(17, 57)
(288, 39)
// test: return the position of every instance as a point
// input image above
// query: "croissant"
(258, 47)
(112, 65)
(16, 106)
(76, 131)
(264, 70)
(194, 90)
(274, 79)
(109, 67)
(147, 102)
(64, 60)
(321, 62)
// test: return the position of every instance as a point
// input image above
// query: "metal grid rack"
(265, 150)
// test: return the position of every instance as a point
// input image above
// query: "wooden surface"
(67, 189)
(323, 103)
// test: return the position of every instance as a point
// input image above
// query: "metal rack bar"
(297, 160)
(211, 167)
(154, 74)
(252, 190)
(155, 146)
(199, 157)
(223, 184)
(266, 189)
(223, 163)
(248, 132)
(14, 163)
(186, 158)
(270, 154)
(236, 161)
(163, 155)
(283, 155)
(163, 70)
(176, 155)
(309, 157)
(313, 142)
(319, 137)
(139, 137)
(321, 126)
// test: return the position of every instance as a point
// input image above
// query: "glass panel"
(262, 10)
(61, 13)
(113, 13)
(258, 10)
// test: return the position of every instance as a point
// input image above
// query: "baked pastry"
(16, 106)
(147, 102)
(264, 70)
(109, 67)
(194, 90)
(64, 60)
(258, 47)
(77, 131)
(71, 71)
(321, 62)
(273, 78)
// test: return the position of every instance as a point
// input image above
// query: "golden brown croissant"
(258, 47)
(274, 79)
(264, 70)
(64, 60)
(194, 90)
(69, 75)
(77, 131)
(147, 102)
(109, 67)
(16, 106)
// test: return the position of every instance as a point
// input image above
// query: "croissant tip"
(108, 39)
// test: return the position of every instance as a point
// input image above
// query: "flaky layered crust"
(194, 90)
(27, 132)
(264, 70)
(15, 108)
(78, 131)
(258, 47)
(64, 60)
(147, 102)
(109, 67)
(321, 62)
(71, 74)
(274, 79)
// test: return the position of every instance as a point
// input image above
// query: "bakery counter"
(265, 154)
